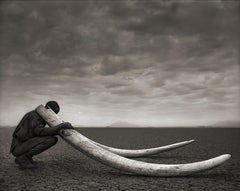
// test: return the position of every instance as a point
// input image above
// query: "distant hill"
(123, 124)
(227, 124)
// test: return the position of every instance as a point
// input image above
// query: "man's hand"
(53, 130)
(65, 125)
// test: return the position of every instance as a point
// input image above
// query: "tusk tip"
(191, 141)
(226, 156)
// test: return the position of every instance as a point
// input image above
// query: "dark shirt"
(30, 126)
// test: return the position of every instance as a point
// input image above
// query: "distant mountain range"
(227, 124)
(123, 124)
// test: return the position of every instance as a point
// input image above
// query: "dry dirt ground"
(64, 168)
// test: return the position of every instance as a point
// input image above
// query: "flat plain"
(64, 168)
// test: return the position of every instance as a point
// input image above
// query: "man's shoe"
(31, 160)
(24, 163)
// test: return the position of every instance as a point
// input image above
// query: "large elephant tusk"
(86, 146)
(143, 152)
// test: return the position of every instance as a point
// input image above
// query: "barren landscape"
(64, 168)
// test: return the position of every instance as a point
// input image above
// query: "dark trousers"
(34, 146)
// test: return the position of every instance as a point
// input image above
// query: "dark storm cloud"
(45, 36)
(220, 62)
(211, 25)
(208, 20)
(25, 23)
(114, 84)
(113, 65)
(129, 91)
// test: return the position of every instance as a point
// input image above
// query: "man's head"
(53, 105)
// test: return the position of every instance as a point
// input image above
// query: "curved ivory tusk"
(143, 152)
(84, 145)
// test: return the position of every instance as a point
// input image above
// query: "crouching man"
(31, 137)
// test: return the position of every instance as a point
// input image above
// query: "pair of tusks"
(105, 155)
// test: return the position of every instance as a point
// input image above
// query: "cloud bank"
(150, 63)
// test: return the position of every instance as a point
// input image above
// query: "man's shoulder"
(33, 114)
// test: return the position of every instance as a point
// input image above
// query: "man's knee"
(15, 153)
(35, 145)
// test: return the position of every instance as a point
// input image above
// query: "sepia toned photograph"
(119, 95)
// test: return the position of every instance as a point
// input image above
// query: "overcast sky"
(149, 63)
